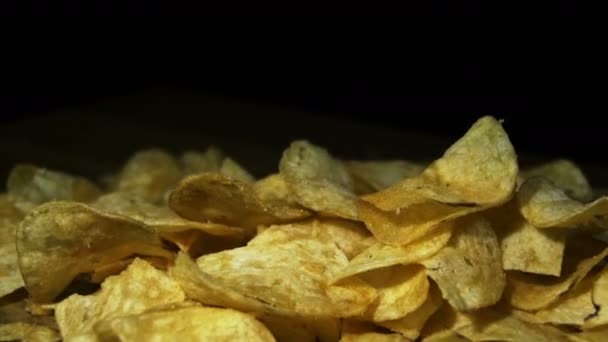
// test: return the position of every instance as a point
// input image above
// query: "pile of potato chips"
(193, 247)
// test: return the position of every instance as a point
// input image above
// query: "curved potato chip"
(232, 169)
(445, 336)
(133, 291)
(468, 270)
(318, 181)
(566, 175)
(272, 188)
(218, 198)
(534, 292)
(184, 323)
(59, 240)
(290, 275)
(381, 255)
(545, 205)
(27, 332)
(411, 324)
(358, 331)
(196, 162)
(372, 176)
(302, 330)
(477, 172)
(32, 184)
(10, 276)
(600, 301)
(149, 173)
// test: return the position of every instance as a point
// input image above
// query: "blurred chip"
(29, 185)
(149, 173)
(138, 288)
(381, 255)
(445, 336)
(273, 188)
(318, 181)
(59, 240)
(27, 332)
(10, 277)
(221, 199)
(544, 205)
(534, 292)
(599, 334)
(468, 270)
(372, 176)
(477, 172)
(198, 162)
(564, 174)
(184, 323)
(358, 331)
(232, 169)
(302, 330)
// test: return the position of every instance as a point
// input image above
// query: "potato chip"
(59, 240)
(101, 273)
(565, 175)
(232, 169)
(149, 173)
(10, 216)
(535, 292)
(468, 270)
(184, 323)
(273, 188)
(381, 255)
(445, 336)
(291, 275)
(30, 184)
(358, 331)
(545, 205)
(477, 172)
(599, 334)
(299, 329)
(27, 332)
(411, 324)
(318, 181)
(135, 290)
(196, 162)
(221, 199)
(372, 176)
(600, 301)
(401, 290)
(10, 277)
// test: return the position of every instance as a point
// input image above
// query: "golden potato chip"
(358, 331)
(196, 162)
(445, 336)
(599, 334)
(10, 276)
(221, 199)
(372, 176)
(10, 216)
(401, 290)
(273, 188)
(27, 332)
(101, 273)
(59, 240)
(135, 290)
(290, 274)
(149, 173)
(600, 301)
(545, 205)
(300, 329)
(232, 169)
(31, 184)
(318, 181)
(535, 292)
(564, 174)
(468, 270)
(381, 255)
(411, 324)
(184, 323)
(477, 172)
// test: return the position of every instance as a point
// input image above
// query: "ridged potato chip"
(135, 290)
(545, 205)
(358, 331)
(564, 174)
(468, 270)
(372, 176)
(27, 332)
(149, 173)
(477, 172)
(59, 240)
(184, 323)
(221, 199)
(318, 181)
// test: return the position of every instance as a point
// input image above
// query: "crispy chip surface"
(27, 332)
(358, 331)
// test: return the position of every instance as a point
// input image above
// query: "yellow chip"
(566, 175)
(232, 169)
(445, 336)
(59, 240)
(302, 330)
(221, 199)
(600, 301)
(135, 290)
(401, 290)
(372, 176)
(149, 173)
(468, 270)
(27, 332)
(196, 162)
(10, 276)
(381, 255)
(358, 331)
(477, 172)
(535, 292)
(318, 181)
(545, 205)
(273, 188)
(30, 185)
(599, 334)
(411, 324)
(184, 323)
